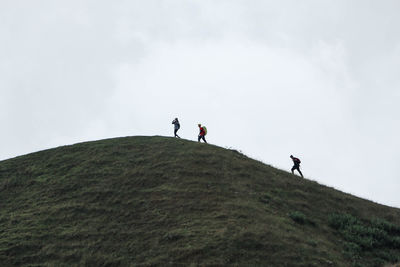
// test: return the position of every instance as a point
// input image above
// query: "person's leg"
(198, 139)
(298, 169)
(204, 139)
(175, 132)
(176, 135)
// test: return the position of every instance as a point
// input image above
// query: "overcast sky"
(318, 79)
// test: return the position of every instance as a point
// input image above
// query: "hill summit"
(160, 201)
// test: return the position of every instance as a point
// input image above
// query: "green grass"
(161, 201)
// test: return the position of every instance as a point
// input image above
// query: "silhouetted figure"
(176, 127)
(202, 134)
(296, 165)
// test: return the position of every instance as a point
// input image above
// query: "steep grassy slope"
(162, 201)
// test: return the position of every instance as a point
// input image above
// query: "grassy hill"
(161, 201)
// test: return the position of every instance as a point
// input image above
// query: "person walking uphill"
(176, 127)
(296, 165)
(202, 134)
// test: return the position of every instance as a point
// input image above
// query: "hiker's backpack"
(297, 160)
(205, 130)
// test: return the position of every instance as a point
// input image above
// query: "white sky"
(318, 79)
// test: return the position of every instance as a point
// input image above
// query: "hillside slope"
(163, 201)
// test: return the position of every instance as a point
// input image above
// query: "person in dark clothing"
(176, 127)
(296, 165)
(202, 134)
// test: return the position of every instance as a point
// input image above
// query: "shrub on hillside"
(387, 226)
(366, 236)
(341, 221)
(298, 217)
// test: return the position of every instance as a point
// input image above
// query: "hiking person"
(176, 127)
(202, 134)
(296, 165)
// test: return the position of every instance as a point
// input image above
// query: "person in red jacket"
(296, 165)
(202, 134)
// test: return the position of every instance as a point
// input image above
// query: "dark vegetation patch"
(362, 238)
(300, 218)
